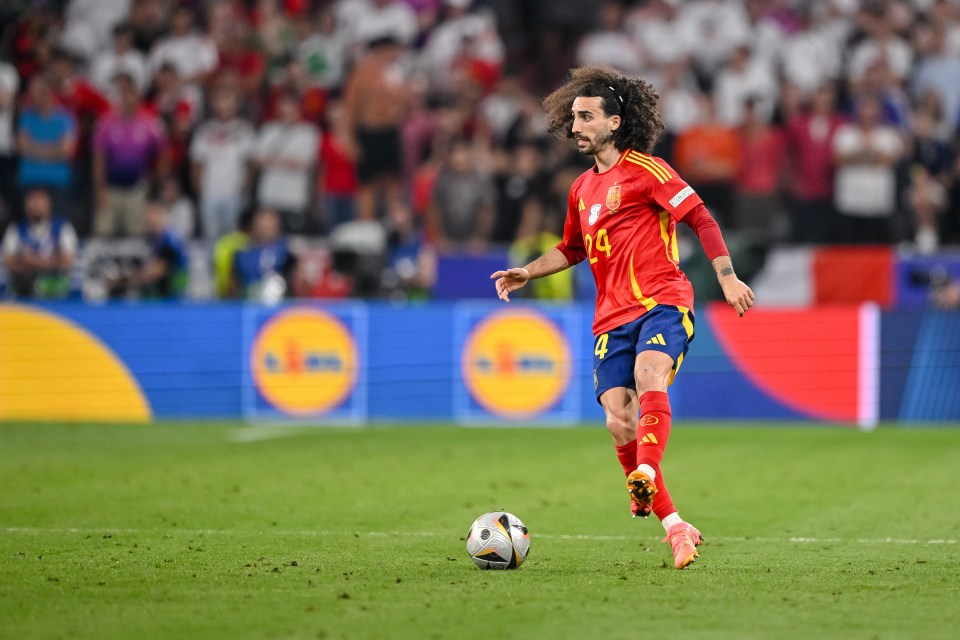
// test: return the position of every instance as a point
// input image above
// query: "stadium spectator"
(286, 156)
(127, 154)
(500, 110)
(713, 29)
(9, 84)
(463, 33)
(810, 168)
(169, 97)
(865, 194)
(768, 25)
(656, 28)
(461, 210)
(179, 207)
(708, 154)
(812, 56)
(744, 77)
(610, 44)
(521, 184)
(337, 174)
(367, 21)
(224, 250)
(879, 83)
(273, 30)
(411, 261)
(321, 48)
(179, 126)
(240, 60)
(148, 22)
(38, 251)
(46, 140)
(266, 269)
(164, 273)
(194, 54)
(428, 15)
(680, 105)
(881, 44)
(106, 64)
(91, 21)
(220, 154)
(758, 208)
(930, 163)
(85, 102)
(938, 72)
(375, 103)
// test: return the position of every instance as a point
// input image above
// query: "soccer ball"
(498, 540)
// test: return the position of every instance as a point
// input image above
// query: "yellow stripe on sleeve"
(650, 165)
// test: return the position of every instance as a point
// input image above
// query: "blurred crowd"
(343, 147)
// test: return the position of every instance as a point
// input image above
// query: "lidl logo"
(516, 364)
(304, 362)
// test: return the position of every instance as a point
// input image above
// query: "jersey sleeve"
(676, 196)
(572, 244)
(658, 182)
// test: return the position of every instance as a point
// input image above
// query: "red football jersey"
(624, 222)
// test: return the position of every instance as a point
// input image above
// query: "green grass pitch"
(222, 531)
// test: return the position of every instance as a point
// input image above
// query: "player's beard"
(594, 146)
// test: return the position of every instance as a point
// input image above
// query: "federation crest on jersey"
(613, 197)
(594, 213)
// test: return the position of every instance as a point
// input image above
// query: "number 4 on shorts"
(601, 348)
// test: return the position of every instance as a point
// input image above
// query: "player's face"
(592, 128)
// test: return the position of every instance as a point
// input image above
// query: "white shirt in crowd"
(447, 39)
(89, 24)
(613, 48)
(868, 189)
(895, 52)
(734, 86)
(323, 57)
(812, 58)
(286, 187)
(107, 64)
(364, 21)
(191, 54)
(67, 243)
(223, 149)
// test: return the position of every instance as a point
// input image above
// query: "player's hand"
(738, 295)
(509, 280)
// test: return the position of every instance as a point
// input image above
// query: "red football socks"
(627, 454)
(653, 431)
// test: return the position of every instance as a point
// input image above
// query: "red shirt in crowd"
(810, 146)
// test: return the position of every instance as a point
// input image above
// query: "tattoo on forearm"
(726, 271)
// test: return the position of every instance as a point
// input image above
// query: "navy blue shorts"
(664, 328)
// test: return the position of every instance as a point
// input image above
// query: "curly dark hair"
(633, 99)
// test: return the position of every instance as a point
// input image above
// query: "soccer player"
(621, 218)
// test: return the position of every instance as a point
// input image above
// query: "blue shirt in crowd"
(49, 129)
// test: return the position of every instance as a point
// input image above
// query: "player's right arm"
(512, 279)
(567, 253)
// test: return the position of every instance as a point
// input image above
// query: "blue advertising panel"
(473, 363)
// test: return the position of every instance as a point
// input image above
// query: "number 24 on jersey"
(602, 243)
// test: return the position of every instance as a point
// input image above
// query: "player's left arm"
(681, 201)
(737, 293)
